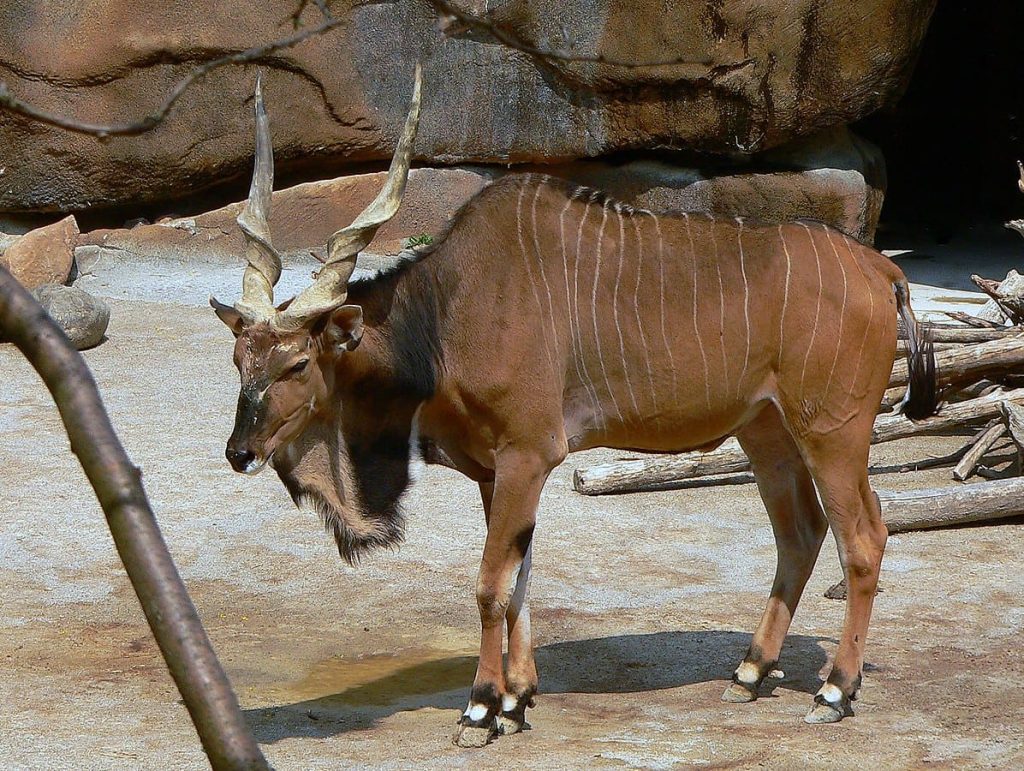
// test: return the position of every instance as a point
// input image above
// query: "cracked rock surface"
(742, 76)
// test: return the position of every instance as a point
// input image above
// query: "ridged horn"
(331, 286)
(264, 268)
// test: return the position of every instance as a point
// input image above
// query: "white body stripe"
(571, 311)
(746, 305)
(529, 273)
(696, 329)
(576, 312)
(639, 323)
(842, 312)
(615, 313)
(593, 306)
(864, 339)
(543, 273)
(721, 315)
(785, 294)
(664, 334)
(817, 310)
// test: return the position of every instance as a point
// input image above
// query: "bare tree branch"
(186, 649)
(454, 21)
(321, 4)
(10, 102)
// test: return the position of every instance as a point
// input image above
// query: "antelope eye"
(299, 367)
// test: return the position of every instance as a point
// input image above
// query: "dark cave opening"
(952, 142)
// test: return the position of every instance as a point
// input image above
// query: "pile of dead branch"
(980, 371)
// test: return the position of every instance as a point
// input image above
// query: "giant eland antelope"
(548, 319)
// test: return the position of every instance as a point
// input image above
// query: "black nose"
(239, 459)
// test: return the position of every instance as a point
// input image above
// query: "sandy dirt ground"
(642, 604)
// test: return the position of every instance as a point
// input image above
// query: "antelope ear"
(228, 315)
(346, 327)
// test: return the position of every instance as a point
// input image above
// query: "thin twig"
(10, 102)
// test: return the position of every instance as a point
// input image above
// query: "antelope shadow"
(633, 663)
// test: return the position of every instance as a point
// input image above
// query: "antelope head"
(286, 354)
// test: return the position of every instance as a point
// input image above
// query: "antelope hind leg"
(855, 518)
(799, 525)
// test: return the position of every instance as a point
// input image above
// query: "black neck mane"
(402, 306)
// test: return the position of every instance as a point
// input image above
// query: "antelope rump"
(548, 319)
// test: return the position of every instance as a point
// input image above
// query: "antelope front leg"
(521, 669)
(497, 702)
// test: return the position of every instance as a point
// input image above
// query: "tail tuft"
(922, 399)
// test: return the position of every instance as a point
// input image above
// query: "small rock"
(86, 258)
(83, 318)
(44, 255)
(836, 591)
(5, 241)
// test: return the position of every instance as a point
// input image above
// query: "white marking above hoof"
(831, 693)
(738, 694)
(833, 710)
(748, 673)
(475, 712)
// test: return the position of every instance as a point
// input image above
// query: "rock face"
(730, 77)
(42, 256)
(83, 318)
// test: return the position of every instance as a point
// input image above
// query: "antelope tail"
(922, 399)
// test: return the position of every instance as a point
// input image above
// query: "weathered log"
(902, 345)
(632, 476)
(660, 470)
(946, 506)
(970, 362)
(891, 398)
(975, 321)
(1013, 415)
(976, 389)
(976, 448)
(966, 413)
(950, 333)
(1007, 297)
(705, 469)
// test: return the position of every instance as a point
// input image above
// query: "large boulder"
(730, 77)
(843, 187)
(82, 317)
(45, 255)
(833, 176)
